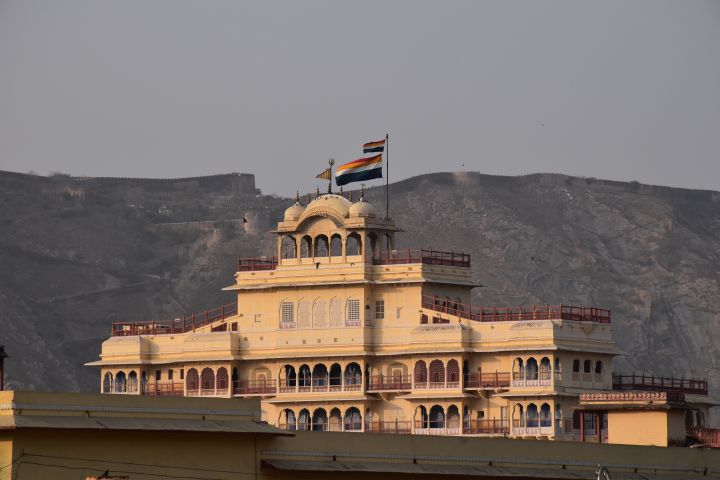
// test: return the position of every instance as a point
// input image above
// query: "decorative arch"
(453, 418)
(192, 381)
(518, 369)
(319, 420)
(221, 380)
(353, 419)
(353, 375)
(120, 382)
(335, 420)
(336, 312)
(531, 369)
(558, 368)
(518, 416)
(289, 247)
(320, 313)
(207, 381)
(545, 415)
(288, 378)
(132, 382)
(531, 415)
(437, 373)
(353, 244)
(421, 373)
(545, 370)
(306, 249)
(304, 420)
(336, 245)
(304, 376)
(320, 375)
(287, 420)
(235, 378)
(437, 417)
(336, 377)
(322, 246)
(303, 314)
(107, 383)
(453, 373)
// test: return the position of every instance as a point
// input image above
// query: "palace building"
(341, 331)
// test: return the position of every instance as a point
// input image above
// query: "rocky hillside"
(78, 254)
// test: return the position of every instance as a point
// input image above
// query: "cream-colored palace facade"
(341, 331)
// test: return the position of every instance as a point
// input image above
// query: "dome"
(329, 201)
(294, 212)
(362, 209)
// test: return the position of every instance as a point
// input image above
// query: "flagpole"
(387, 176)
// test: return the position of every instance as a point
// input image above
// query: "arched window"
(598, 367)
(320, 375)
(466, 417)
(336, 246)
(518, 416)
(437, 374)
(576, 366)
(320, 313)
(287, 420)
(545, 416)
(353, 245)
(558, 369)
(532, 415)
(531, 370)
(587, 366)
(319, 420)
(374, 247)
(306, 247)
(335, 377)
(353, 419)
(207, 381)
(143, 381)
(421, 417)
(421, 374)
(545, 369)
(453, 418)
(304, 422)
(107, 383)
(335, 420)
(437, 417)
(453, 373)
(352, 313)
(304, 376)
(192, 382)
(221, 380)
(288, 378)
(321, 246)
(120, 386)
(132, 386)
(369, 420)
(289, 247)
(518, 369)
(353, 375)
(336, 315)
(235, 378)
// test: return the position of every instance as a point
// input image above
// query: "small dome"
(294, 212)
(362, 209)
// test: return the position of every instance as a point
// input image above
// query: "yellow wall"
(635, 427)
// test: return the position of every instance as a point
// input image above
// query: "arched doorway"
(437, 417)
(353, 420)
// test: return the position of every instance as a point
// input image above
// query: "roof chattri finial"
(362, 192)
(297, 197)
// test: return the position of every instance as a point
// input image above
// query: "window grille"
(287, 313)
(353, 312)
(379, 309)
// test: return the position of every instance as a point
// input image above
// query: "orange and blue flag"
(372, 147)
(359, 170)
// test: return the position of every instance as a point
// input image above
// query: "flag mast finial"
(331, 162)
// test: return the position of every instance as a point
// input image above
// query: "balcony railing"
(175, 389)
(391, 426)
(254, 264)
(421, 255)
(254, 387)
(486, 427)
(480, 381)
(706, 436)
(391, 382)
(634, 381)
(514, 314)
(177, 325)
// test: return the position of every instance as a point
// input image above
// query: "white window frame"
(379, 309)
(287, 314)
(352, 312)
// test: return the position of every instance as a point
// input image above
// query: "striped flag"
(326, 174)
(373, 147)
(359, 170)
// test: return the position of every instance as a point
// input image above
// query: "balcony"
(709, 437)
(421, 255)
(390, 383)
(392, 426)
(255, 264)
(483, 381)
(177, 325)
(255, 387)
(539, 379)
(532, 427)
(175, 389)
(516, 314)
(486, 427)
(693, 386)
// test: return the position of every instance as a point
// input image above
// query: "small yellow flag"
(326, 174)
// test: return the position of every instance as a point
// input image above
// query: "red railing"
(486, 427)
(390, 382)
(178, 325)
(421, 255)
(254, 387)
(706, 436)
(487, 380)
(512, 314)
(253, 264)
(391, 426)
(697, 386)
(175, 389)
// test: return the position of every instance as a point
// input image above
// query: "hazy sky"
(626, 90)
